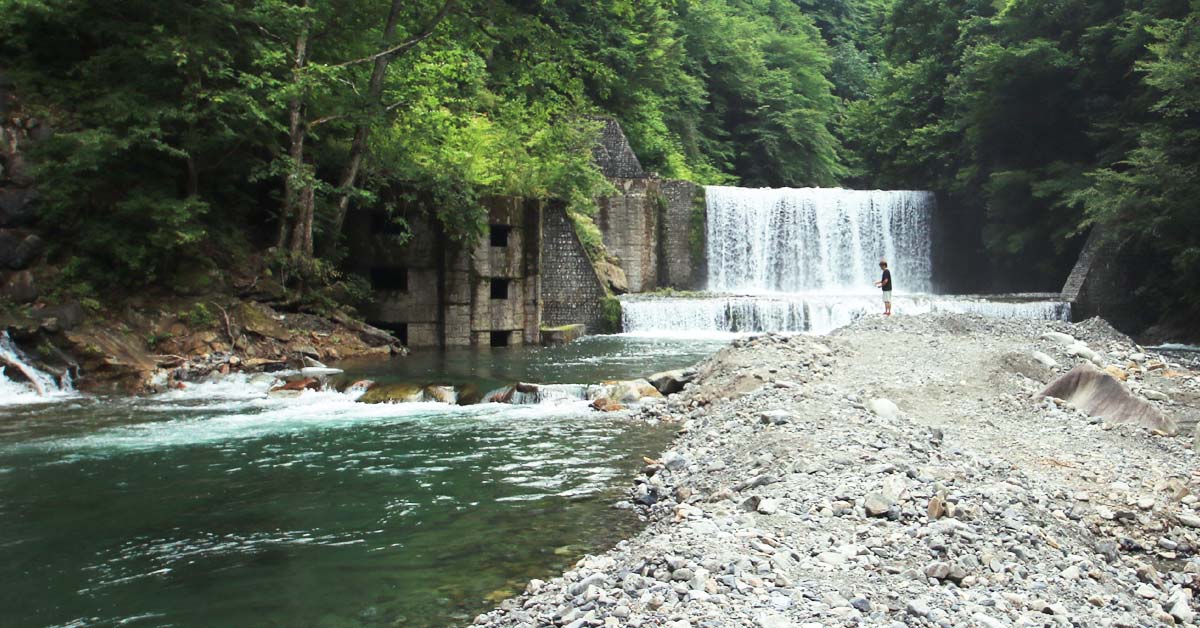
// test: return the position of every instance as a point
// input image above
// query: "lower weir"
(804, 260)
(813, 313)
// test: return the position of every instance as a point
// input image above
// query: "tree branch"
(322, 120)
(406, 44)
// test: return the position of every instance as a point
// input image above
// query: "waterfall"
(812, 313)
(816, 239)
(31, 383)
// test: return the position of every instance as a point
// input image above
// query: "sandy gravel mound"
(902, 472)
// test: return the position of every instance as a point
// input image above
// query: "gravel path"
(902, 473)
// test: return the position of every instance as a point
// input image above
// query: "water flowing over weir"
(805, 260)
(815, 313)
(815, 239)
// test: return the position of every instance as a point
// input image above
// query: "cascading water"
(805, 260)
(31, 384)
(811, 313)
(815, 239)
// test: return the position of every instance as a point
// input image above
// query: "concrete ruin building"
(529, 272)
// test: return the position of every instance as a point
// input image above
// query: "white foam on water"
(269, 415)
(1175, 346)
(817, 313)
(43, 389)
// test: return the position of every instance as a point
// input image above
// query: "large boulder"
(671, 382)
(440, 394)
(632, 391)
(613, 277)
(393, 393)
(469, 394)
(60, 317)
(1100, 395)
(9, 240)
(17, 207)
(26, 252)
(259, 319)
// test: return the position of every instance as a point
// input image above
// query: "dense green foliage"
(182, 126)
(1044, 118)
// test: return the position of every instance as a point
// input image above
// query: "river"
(222, 506)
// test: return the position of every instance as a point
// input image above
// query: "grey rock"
(883, 408)
(877, 505)
(775, 417)
(861, 603)
(917, 608)
(1191, 521)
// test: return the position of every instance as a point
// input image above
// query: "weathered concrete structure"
(1101, 284)
(431, 291)
(571, 291)
(530, 269)
(648, 224)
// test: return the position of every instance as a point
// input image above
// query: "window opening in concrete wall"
(500, 338)
(499, 288)
(390, 278)
(399, 330)
(382, 222)
(499, 235)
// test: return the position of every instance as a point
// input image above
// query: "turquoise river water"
(222, 506)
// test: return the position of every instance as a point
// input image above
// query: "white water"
(816, 239)
(811, 313)
(805, 261)
(29, 385)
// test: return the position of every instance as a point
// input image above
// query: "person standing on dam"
(886, 284)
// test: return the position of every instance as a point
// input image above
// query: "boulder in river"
(392, 393)
(632, 391)
(604, 404)
(469, 394)
(304, 383)
(1100, 395)
(440, 394)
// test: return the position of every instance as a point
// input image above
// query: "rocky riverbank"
(170, 343)
(903, 472)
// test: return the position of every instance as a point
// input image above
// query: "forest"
(196, 132)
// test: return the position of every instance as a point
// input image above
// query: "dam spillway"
(816, 239)
(806, 259)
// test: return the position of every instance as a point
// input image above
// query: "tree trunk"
(359, 146)
(193, 178)
(302, 227)
(296, 185)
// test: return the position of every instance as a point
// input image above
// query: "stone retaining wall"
(571, 291)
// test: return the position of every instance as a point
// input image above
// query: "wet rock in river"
(392, 393)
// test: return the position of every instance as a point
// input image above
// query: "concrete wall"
(613, 154)
(1101, 284)
(680, 264)
(571, 291)
(647, 224)
(448, 299)
(629, 224)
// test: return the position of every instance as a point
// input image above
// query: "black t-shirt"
(886, 282)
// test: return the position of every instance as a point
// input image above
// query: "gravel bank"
(902, 473)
